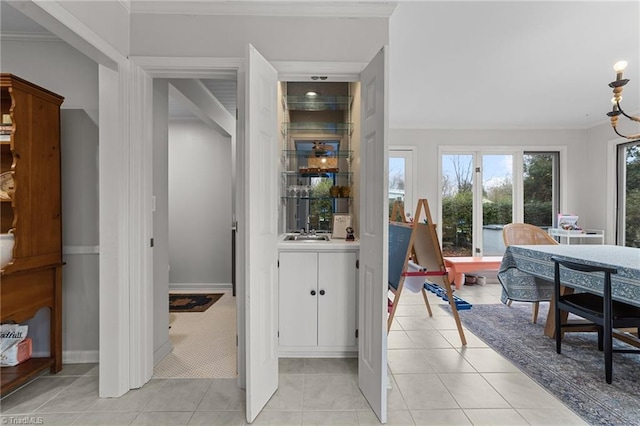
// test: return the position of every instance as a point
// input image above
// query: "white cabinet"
(318, 303)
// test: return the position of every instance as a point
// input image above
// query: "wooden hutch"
(31, 210)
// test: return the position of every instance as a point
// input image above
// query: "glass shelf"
(316, 174)
(293, 197)
(294, 153)
(318, 127)
(317, 103)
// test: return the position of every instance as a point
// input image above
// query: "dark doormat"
(192, 302)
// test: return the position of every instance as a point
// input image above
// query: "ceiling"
(498, 65)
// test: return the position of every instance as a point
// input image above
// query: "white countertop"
(331, 245)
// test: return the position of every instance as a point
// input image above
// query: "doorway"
(193, 212)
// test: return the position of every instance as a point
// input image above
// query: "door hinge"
(278, 334)
(236, 340)
(151, 242)
(278, 263)
(357, 263)
(356, 333)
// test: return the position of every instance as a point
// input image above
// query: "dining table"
(527, 273)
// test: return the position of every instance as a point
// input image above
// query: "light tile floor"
(434, 381)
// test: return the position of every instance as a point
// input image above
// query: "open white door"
(372, 299)
(260, 232)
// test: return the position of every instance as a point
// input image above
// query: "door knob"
(313, 292)
(321, 292)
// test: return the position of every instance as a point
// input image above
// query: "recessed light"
(311, 94)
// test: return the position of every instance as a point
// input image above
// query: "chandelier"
(617, 86)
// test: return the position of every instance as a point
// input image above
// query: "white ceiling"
(510, 64)
(500, 65)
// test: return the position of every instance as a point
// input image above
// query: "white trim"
(165, 349)
(190, 67)
(80, 357)
(114, 186)
(69, 250)
(349, 9)
(37, 37)
(140, 227)
(199, 287)
(72, 30)
(304, 70)
(611, 196)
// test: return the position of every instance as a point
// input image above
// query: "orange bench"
(457, 266)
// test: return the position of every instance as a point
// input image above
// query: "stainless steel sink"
(306, 237)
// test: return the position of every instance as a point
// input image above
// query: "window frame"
(409, 153)
(518, 153)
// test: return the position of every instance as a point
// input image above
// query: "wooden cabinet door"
(337, 284)
(298, 292)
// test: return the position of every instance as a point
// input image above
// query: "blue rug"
(576, 376)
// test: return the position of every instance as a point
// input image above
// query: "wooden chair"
(602, 311)
(525, 234)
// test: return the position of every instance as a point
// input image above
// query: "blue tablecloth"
(526, 271)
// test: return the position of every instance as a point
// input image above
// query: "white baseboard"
(164, 350)
(80, 357)
(199, 287)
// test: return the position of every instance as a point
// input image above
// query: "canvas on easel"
(417, 242)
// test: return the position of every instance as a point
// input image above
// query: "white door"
(260, 232)
(372, 295)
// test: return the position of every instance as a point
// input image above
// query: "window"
(628, 200)
(483, 191)
(401, 179)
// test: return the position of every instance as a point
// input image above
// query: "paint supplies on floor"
(15, 346)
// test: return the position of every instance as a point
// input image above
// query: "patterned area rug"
(576, 376)
(192, 302)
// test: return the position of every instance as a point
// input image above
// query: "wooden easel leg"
(426, 301)
(454, 310)
(396, 299)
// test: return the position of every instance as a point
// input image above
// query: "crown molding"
(20, 36)
(338, 9)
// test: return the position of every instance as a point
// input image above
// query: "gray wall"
(199, 206)
(57, 67)
(277, 38)
(161, 343)
(80, 236)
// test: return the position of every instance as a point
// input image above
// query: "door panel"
(372, 294)
(261, 160)
(336, 299)
(298, 306)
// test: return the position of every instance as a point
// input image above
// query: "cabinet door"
(337, 278)
(298, 299)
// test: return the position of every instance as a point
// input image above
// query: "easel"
(424, 248)
(397, 211)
